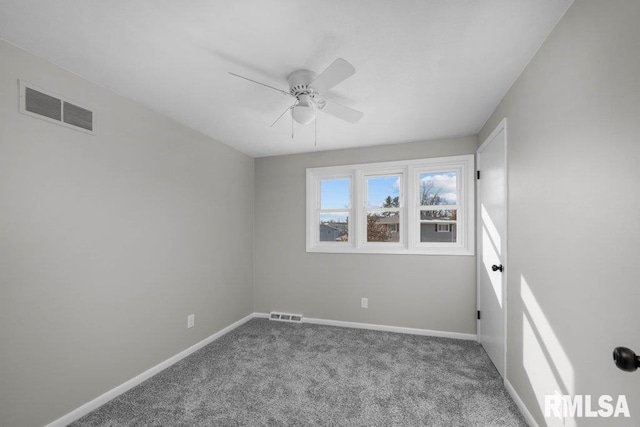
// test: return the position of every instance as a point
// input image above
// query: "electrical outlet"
(191, 320)
(364, 302)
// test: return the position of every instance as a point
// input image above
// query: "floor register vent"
(45, 105)
(285, 317)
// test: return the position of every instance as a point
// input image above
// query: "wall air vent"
(40, 103)
(77, 116)
(48, 106)
(285, 317)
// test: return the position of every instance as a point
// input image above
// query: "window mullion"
(359, 201)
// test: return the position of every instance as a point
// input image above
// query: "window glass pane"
(434, 232)
(383, 192)
(438, 225)
(438, 188)
(383, 227)
(334, 227)
(334, 194)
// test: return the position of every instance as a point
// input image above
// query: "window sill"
(392, 251)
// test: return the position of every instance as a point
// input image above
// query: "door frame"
(502, 126)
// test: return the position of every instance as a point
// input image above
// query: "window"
(443, 228)
(333, 211)
(415, 207)
(383, 208)
(438, 205)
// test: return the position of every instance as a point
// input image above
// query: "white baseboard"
(117, 391)
(375, 327)
(523, 409)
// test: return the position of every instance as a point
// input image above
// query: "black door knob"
(496, 267)
(626, 359)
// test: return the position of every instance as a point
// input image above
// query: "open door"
(492, 245)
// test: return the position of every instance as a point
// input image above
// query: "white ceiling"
(426, 69)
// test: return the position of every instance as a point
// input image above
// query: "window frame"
(409, 207)
(314, 232)
(462, 201)
(362, 175)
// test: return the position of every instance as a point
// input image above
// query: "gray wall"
(108, 242)
(419, 291)
(573, 120)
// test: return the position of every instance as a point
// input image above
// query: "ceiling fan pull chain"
(291, 127)
(315, 132)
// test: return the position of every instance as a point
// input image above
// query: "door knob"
(496, 267)
(626, 359)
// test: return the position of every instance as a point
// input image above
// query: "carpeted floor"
(272, 373)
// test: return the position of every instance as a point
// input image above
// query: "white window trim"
(409, 209)
(362, 173)
(313, 210)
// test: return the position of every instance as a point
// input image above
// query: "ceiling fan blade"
(285, 112)
(262, 84)
(338, 71)
(342, 112)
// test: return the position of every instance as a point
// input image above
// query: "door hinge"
(478, 175)
(478, 314)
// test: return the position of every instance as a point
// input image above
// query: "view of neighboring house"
(391, 227)
(440, 231)
(333, 231)
(432, 231)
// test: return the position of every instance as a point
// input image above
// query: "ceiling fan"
(308, 89)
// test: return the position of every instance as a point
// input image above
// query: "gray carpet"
(272, 373)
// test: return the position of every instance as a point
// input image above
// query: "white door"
(492, 245)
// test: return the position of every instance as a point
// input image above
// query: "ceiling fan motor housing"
(304, 112)
(299, 82)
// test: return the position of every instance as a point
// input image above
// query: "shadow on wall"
(545, 361)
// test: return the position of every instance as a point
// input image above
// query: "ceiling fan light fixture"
(303, 114)
(306, 110)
